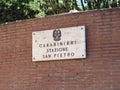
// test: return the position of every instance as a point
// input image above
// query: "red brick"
(99, 71)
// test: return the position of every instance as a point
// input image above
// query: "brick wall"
(99, 71)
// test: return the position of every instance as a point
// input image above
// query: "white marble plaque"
(59, 44)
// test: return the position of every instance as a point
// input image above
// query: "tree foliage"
(11, 10)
